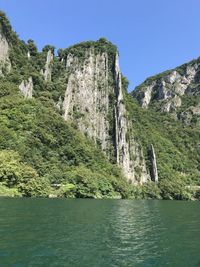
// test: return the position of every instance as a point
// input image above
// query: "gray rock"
(48, 66)
(168, 88)
(154, 170)
(26, 87)
(94, 101)
(5, 64)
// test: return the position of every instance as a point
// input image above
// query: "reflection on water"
(46, 232)
(136, 231)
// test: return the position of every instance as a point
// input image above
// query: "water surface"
(121, 233)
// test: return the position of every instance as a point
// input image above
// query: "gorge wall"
(59, 111)
(4, 53)
(94, 101)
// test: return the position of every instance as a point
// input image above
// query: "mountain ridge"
(170, 88)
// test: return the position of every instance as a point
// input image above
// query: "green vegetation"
(6, 28)
(176, 147)
(41, 155)
(38, 149)
(176, 141)
(80, 50)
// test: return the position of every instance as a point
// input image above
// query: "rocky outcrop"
(153, 168)
(28, 55)
(26, 87)
(48, 66)
(5, 64)
(169, 87)
(134, 170)
(121, 125)
(94, 102)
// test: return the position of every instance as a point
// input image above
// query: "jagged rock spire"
(48, 66)
(153, 170)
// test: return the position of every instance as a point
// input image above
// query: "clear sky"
(151, 35)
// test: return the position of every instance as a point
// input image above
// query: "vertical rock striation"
(121, 128)
(128, 153)
(94, 101)
(154, 170)
(5, 64)
(48, 66)
(86, 98)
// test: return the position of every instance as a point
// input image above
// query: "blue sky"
(151, 35)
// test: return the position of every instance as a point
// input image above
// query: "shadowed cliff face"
(168, 91)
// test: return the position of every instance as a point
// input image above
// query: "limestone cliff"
(83, 85)
(4, 53)
(126, 146)
(94, 102)
(86, 98)
(48, 66)
(93, 99)
(26, 87)
(169, 89)
(153, 169)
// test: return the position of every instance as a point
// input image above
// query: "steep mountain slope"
(52, 150)
(85, 84)
(41, 154)
(169, 119)
(175, 91)
(93, 100)
(68, 128)
(176, 145)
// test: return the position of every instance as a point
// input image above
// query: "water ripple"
(113, 233)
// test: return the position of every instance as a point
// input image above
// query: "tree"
(46, 48)
(32, 48)
(16, 174)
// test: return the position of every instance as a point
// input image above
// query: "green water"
(55, 232)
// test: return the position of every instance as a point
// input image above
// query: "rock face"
(48, 66)
(5, 64)
(154, 170)
(28, 55)
(93, 101)
(86, 98)
(122, 146)
(134, 170)
(26, 87)
(168, 88)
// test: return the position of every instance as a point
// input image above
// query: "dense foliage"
(39, 149)
(42, 155)
(176, 146)
(80, 50)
